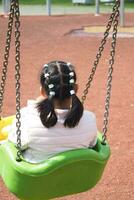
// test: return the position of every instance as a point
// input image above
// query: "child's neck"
(62, 105)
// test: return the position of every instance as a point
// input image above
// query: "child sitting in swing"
(56, 121)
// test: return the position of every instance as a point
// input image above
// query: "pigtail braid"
(47, 114)
(74, 115)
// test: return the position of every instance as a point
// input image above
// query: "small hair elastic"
(46, 65)
(51, 86)
(72, 92)
(71, 81)
(71, 74)
(68, 64)
(46, 75)
(52, 93)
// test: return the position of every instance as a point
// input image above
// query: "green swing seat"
(66, 173)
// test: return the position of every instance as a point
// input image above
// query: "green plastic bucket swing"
(64, 174)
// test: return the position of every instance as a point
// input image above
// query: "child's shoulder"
(89, 115)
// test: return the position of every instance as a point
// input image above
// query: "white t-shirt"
(40, 143)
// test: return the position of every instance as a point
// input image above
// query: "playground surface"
(50, 38)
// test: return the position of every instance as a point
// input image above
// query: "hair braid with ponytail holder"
(45, 107)
(58, 81)
(76, 110)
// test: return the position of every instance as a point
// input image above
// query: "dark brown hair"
(58, 79)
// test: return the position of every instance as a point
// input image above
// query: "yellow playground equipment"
(4, 122)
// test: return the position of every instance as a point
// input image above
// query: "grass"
(41, 2)
(68, 3)
(128, 3)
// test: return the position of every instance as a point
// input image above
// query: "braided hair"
(58, 80)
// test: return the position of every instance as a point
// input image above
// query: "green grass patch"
(128, 3)
(42, 2)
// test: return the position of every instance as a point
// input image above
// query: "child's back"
(64, 130)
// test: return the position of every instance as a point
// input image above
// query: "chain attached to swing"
(110, 72)
(14, 13)
(6, 55)
(113, 20)
(17, 78)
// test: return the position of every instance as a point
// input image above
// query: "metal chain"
(17, 78)
(110, 72)
(101, 48)
(6, 55)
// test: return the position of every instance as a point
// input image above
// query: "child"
(55, 122)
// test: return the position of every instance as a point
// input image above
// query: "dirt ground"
(48, 38)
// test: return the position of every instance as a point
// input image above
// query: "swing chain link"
(113, 20)
(6, 55)
(17, 78)
(110, 72)
(14, 11)
(101, 48)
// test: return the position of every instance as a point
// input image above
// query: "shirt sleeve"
(24, 133)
